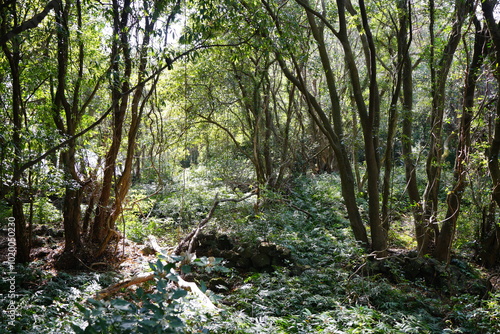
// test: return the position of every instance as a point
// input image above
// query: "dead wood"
(154, 244)
(145, 277)
(112, 289)
(190, 239)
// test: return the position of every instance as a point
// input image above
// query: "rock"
(230, 255)
(243, 262)
(454, 279)
(218, 284)
(38, 241)
(224, 243)
(147, 250)
(242, 255)
(261, 261)
(246, 251)
(40, 253)
(266, 247)
(58, 233)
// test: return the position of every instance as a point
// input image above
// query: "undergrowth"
(325, 291)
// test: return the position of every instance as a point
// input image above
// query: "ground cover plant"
(327, 285)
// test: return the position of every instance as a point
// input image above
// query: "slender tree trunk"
(345, 170)
(369, 117)
(285, 146)
(268, 123)
(14, 58)
(120, 86)
(67, 117)
(489, 237)
(454, 197)
(439, 77)
(334, 134)
(490, 231)
(403, 52)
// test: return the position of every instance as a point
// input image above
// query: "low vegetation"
(325, 283)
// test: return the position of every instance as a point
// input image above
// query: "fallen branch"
(190, 239)
(145, 277)
(193, 288)
(112, 289)
(154, 244)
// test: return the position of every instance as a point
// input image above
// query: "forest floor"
(282, 270)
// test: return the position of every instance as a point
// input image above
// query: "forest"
(252, 166)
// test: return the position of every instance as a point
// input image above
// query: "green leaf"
(121, 304)
(173, 277)
(186, 269)
(179, 293)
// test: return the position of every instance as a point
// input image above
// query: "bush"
(164, 310)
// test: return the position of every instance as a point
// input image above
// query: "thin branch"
(191, 237)
(31, 23)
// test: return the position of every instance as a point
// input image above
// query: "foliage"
(322, 291)
(44, 212)
(46, 302)
(259, 96)
(155, 312)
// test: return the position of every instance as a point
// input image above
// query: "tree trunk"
(334, 134)
(369, 118)
(67, 117)
(489, 238)
(137, 109)
(345, 170)
(403, 53)
(454, 197)
(439, 77)
(490, 234)
(14, 58)
(120, 93)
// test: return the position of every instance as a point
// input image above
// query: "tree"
(68, 110)
(333, 133)
(454, 197)
(125, 98)
(13, 56)
(428, 230)
(12, 45)
(490, 230)
(248, 102)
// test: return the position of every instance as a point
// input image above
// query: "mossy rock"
(456, 278)
(243, 256)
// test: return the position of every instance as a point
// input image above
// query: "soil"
(47, 252)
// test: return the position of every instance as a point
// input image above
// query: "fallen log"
(112, 289)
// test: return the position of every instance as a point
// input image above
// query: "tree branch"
(31, 23)
(191, 237)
